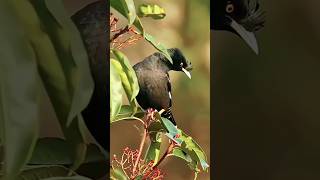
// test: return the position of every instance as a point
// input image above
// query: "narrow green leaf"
(153, 151)
(153, 11)
(115, 93)
(125, 8)
(160, 47)
(137, 23)
(127, 74)
(19, 88)
(118, 174)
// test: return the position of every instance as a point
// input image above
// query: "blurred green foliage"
(41, 49)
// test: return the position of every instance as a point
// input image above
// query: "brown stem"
(140, 150)
(168, 151)
(122, 31)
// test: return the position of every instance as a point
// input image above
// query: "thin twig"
(121, 32)
(140, 149)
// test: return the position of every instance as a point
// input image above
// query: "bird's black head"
(242, 17)
(180, 63)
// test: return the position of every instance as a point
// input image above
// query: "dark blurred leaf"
(68, 178)
(54, 151)
(94, 170)
(127, 74)
(61, 73)
(48, 172)
(118, 174)
(19, 86)
(71, 47)
(156, 127)
(153, 11)
(115, 93)
(126, 8)
(160, 47)
(51, 151)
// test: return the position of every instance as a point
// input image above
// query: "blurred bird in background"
(91, 21)
(154, 80)
(241, 17)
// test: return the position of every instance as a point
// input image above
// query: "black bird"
(154, 81)
(91, 21)
(242, 17)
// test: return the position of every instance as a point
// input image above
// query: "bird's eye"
(229, 7)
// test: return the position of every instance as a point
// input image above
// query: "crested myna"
(154, 81)
(242, 17)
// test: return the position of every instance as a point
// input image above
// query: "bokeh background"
(186, 26)
(266, 108)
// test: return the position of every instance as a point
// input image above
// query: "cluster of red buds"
(144, 169)
(122, 37)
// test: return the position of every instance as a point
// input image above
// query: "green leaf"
(127, 111)
(188, 149)
(19, 87)
(127, 74)
(118, 174)
(153, 151)
(115, 92)
(172, 130)
(180, 154)
(126, 8)
(137, 23)
(191, 147)
(53, 151)
(153, 11)
(160, 47)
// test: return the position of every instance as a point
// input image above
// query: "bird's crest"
(252, 16)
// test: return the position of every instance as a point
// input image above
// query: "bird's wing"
(154, 90)
(168, 113)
